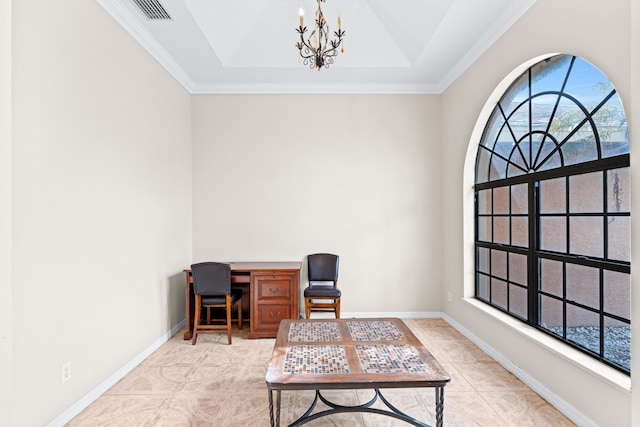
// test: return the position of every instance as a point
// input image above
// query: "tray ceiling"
(232, 46)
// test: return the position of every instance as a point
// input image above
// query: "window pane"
(520, 231)
(517, 92)
(501, 230)
(583, 328)
(519, 199)
(518, 268)
(620, 238)
(553, 234)
(581, 147)
(587, 236)
(483, 287)
(484, 228)
(501, 200)
(587, 83)
(518, 301)
(551, 277)
(583, 285)
(505, 143)
(618, 190)
(498, 168)
(519, 121)
(549, 162)
(482, 166)
(494, 126)
(585, 193)
(516, 166)
(541, 114)
(553, 196)
(484, 201)
(551, 314)
(549, 75)
(499, 293)
(483, 260)
(567, 117)
(612, 128)
(617, 343)
(499, 263)
(617, 294)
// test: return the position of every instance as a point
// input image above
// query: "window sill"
(581, 360)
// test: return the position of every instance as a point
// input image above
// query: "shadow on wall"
(176, 299)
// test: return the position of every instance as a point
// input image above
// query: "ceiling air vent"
(152, 9)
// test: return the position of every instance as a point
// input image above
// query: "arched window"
(552, 208)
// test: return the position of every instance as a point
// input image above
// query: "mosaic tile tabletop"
(314, 332)
(390, 359)
(375, 330)
(316, 359)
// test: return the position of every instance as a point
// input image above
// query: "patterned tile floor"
(214, 384)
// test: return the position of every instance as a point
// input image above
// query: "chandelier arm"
(334, 49)
(307, 47)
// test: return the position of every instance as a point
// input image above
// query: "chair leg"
(239, 313)
(307, 307)
(196, 320)
(337, 308)
(229, 318)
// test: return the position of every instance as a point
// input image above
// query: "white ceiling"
(248, 46)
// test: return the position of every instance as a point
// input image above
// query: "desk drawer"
(274, 287)
(270, 315)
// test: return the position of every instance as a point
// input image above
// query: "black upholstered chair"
(212, 288)
(322, 294)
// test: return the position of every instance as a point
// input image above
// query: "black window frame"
(500, 282)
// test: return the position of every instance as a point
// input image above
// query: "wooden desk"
(321, 354)
(270, 294)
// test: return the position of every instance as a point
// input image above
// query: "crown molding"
(127, 21)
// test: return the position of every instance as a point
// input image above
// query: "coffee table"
(323, 354)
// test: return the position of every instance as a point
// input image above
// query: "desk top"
(267, 265)
(253, 266)
(351, 353)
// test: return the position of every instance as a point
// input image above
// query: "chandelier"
(317, 50)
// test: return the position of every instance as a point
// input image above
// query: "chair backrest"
(211, 278)
(323, 268)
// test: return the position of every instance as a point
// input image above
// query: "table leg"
(271, 407)
(275, 422)
(278, 408)
(439, 406)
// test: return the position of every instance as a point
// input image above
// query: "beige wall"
(599, 33)
(6, 307)
(279, 177)
(101, 202)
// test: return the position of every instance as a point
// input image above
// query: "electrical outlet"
(65, 372)
(449, 296)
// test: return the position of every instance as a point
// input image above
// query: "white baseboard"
(90, 397)
(561, 405)
(400, 315)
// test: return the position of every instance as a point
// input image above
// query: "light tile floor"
(215, 384)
